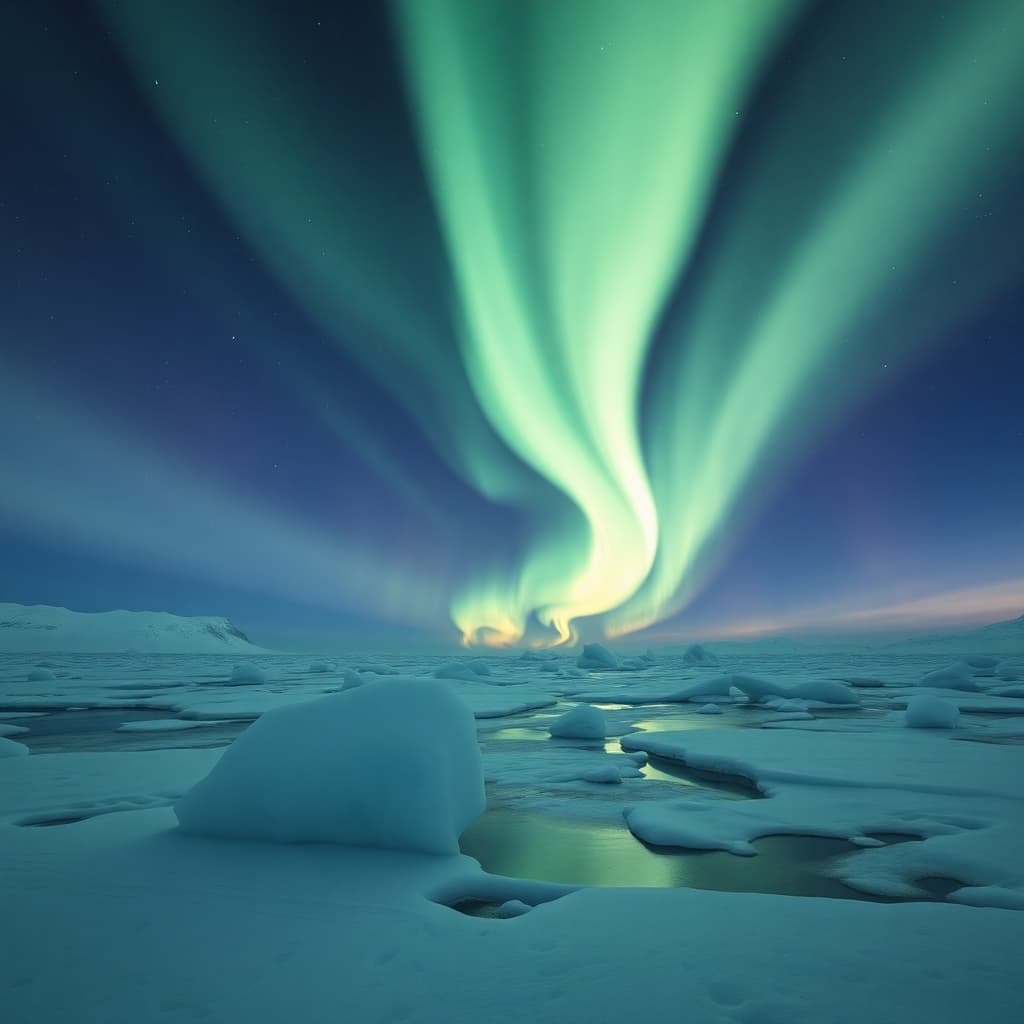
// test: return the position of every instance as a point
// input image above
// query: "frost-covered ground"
(913, 796)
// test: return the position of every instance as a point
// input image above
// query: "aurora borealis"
(535, 319)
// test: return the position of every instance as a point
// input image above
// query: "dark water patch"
(219, 735)
(90, 720)
(539, 846)
(894, 838)
(50, 822)
(938, 886)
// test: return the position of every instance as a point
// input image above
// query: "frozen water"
(142, 921)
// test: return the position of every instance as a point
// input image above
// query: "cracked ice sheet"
(965, 799)
(539, 763)
(140, 922)
(918, 760)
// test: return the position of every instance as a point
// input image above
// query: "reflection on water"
(685, 723)
(532, 845)
(519, 733)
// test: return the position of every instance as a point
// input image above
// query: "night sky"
(520, 321)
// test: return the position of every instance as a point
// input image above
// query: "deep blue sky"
(135, 319)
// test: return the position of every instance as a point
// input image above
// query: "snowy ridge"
(44, 628)
(998, 638)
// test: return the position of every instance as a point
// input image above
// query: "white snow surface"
(930, 712)
(318, 773)
(46, 628)
(582, 722)
(1000, 639)
(12, 748)
(596, 657)
(142, 921)
(966, 801)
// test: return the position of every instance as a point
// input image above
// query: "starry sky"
(520, 323)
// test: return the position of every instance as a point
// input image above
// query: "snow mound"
(980, 661)
(315, 772)
(351, 679)
(825, 691)
(928, 712)
(468, 671)
(244, 675)
(698, 655)
(537, 655)
(161, 725)
(582, 722)
(791, 705)
(596, 656)
(959, 676)
(11, 748)
(638, 664)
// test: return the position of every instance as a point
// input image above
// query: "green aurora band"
(522, 305)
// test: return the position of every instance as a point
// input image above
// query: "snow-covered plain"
(111, 912)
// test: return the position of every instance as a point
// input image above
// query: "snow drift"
(393, 765)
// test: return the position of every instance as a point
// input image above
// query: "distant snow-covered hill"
(41, 627)
(999, 638)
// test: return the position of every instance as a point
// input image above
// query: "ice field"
(755, 836)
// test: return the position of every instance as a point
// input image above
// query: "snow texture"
(11, 748)
(246, 674)
(596, 657)
(47, 628)
(928, 712)
(954, 677)
(142, 921)
(318, 772)
(824, 691)
(696, 655)
(582, 722)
